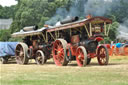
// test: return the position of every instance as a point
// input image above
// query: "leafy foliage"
(35, 12)
(7, 12)
(4, 35)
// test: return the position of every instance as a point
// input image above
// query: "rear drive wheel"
(81, 56)
(59, 52)
(21, 53)
(102, 55)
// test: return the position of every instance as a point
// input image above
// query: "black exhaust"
(68, 20)
(30, 28)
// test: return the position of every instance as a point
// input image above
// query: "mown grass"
(116, 73)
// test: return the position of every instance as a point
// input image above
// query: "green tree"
(119, 10)
(35, 12)
(7, 12)
(4, 35)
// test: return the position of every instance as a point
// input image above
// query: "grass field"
(116, 73)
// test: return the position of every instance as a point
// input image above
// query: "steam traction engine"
(34, 45)
(72, 39)
(80, 41)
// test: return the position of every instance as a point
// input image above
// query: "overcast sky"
(7, 2)
(13, 2)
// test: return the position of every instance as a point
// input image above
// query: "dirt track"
(118, 60)
(116, 73)
(114, 62)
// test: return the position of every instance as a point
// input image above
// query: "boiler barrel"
(68, 20)
(30, 28)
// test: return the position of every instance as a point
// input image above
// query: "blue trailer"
(7, 49)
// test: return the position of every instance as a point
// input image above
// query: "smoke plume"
(123, 31)
(81, 8)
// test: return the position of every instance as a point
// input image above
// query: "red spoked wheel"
(126, 50)
(21, 53)
(81, 56)
(59, 52)
(102, 55)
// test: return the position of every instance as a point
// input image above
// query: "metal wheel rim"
(40, 57)
(81, 56)
(21, 53)
(102, 56)
(59, 51)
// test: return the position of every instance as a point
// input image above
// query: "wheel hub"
(21, 53)
(79, 56)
